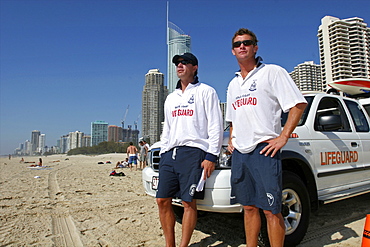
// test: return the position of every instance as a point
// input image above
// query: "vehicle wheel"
(295, 210)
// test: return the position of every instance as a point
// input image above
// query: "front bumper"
(217, 191)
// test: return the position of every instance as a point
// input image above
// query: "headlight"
(224, 160)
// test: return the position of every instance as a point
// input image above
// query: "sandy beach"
(74, 202)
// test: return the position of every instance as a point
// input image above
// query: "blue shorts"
(179, 173)
(132, 160)
(256, 179)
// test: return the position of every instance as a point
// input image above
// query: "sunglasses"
(184, 62)
(244, 42)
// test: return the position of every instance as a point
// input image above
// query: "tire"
(295, 210)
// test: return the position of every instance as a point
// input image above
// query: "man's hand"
(208, 167)
(230, 147)
(274, 145)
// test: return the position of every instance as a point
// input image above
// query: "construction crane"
(124, 118)
(137, 119)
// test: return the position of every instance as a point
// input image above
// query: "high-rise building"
(177, 43)
(41, 147)
(130, 135)
(154, 95)
(86, 141)
(35, 140)
(64, 144)
(344, 49)
(75, 139)
(27, 147)
(307, 76)
(223, 112)
(99, 132)
(114, 133)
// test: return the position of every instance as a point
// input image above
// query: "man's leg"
(252, 225)
(167, 219)
(189, 221)
(276, 228)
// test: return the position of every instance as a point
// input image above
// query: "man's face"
(185, 70)
(244, 52)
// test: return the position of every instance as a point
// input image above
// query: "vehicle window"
(284, 116)
(367, 108)
(330, 116)
(358, 116)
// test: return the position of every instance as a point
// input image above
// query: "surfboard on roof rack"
(352, 86)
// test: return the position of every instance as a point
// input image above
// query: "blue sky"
(65, 64)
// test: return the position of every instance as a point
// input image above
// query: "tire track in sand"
(64, 230)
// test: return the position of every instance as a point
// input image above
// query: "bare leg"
(276, 228)
(189, 221)
(252, 224)
(167, 219)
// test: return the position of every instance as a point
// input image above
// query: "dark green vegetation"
(101, 148)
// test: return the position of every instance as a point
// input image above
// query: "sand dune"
(74, 202)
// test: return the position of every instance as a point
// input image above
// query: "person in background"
(132, 156)
(144, 147)
(40, 162)
(256, 97)
(191, 141)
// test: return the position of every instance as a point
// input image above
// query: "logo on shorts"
(270, 199)
(192, 189)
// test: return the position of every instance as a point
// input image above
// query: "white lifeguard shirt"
(255, 104)
(193, 118)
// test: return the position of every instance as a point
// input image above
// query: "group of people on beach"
(134, 156)
(191, 142)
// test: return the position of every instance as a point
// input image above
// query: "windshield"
(284, 116)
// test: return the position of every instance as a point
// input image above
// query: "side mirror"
(330, 123)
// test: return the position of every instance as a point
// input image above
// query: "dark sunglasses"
(184, 62)
(244, 42)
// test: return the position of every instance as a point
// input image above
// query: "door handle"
(354, 144)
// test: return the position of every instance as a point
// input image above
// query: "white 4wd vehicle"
(327, 160)
(366, 104)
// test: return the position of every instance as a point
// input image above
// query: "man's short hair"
(243, 31)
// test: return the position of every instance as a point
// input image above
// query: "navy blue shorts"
(179, 173)
(132, 160)
(256, 179)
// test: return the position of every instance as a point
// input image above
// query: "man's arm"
(230, 146)
(274, 145)
(215, 132)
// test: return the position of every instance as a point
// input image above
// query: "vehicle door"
(361, 125)
(336, 147)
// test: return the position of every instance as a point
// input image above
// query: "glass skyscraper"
(99, 132)
(35, 140)
(177, 43)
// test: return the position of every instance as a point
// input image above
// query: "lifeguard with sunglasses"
(190, 143)
(256, 97)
